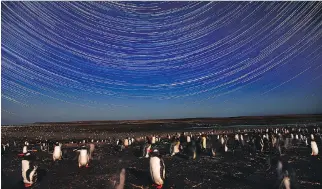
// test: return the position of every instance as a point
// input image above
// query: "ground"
(223, 171)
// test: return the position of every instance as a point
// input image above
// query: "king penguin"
(157, 169)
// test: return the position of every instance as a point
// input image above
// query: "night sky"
(64, 61)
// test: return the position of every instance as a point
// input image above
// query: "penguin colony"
(249, 141)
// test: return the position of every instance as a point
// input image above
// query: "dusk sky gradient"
(65, 61)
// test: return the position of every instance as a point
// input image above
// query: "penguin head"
(155, 152)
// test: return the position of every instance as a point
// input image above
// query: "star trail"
(65, 61)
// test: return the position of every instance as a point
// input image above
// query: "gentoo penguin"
(315, 149)
(192, 150)
(83, 157)
(153, 140)
(203, 142)
(120, 145)
(130, 141)
(126, 142)
(57, 154)
(25, 149)
(188, 138)
(4, 148)
(146, 149)
(91, 150)
(174, 148)
(29, 171)
(286, 176)
(226, 148)
(157, 169)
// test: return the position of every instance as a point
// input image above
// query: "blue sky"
(64, 61)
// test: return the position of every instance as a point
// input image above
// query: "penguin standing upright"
(29, 171)
(91, 150)
(175, 148)
(153, 139)
(192, 150)
(203, 142)
(157, 169)
(130, 141)
(188, 139)
(83, 157)
(315, 149)
(146, 149)
(126, 142)
(25, 149)
(57, 154)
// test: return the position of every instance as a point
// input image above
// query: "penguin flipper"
(162, 169)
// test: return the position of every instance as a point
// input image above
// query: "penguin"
(130, 141)
(203, 142)
(146, 149)
(83, 157)
(192, 150)
(4, 148)
(285, 176)
(188, 139)
(126, 142)
(25, 149)
(215, 146)
(153, 140)
(315, 149)
(120, 146)
(226, 148)
(29, 171)
(157, 169)
(91, 150)
(174, 147)
(57, 154)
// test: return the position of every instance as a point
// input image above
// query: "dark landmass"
(274, 119)
(103, 129)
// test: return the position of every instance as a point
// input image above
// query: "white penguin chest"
(155, 170)
(24, 149)
(57, 151)
(83, 157)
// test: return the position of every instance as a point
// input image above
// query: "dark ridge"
(271, 118)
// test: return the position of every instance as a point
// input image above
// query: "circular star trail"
(77, 52)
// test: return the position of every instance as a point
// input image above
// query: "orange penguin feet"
(27, 185)
(157, 186)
